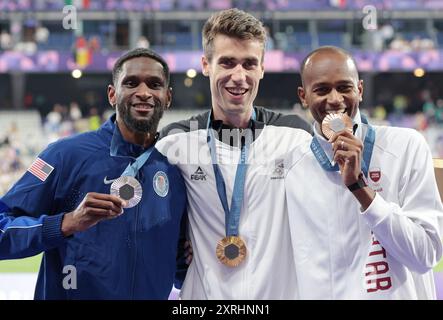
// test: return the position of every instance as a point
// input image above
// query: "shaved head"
(326, 50)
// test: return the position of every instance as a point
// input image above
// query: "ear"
(360, 89)
(301, 95)
(112, 98)
(168, 98)
(205, 66)
(262, 65)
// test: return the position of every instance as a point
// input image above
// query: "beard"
(148, 125)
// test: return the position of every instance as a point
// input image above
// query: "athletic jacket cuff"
(52, 230)
(377, 211)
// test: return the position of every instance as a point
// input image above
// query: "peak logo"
(199, 174)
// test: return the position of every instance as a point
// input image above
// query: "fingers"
(107, 197)
(103, 207)
(102, 204)
(347, 154)
(345, 144)
(347, 157)
(102, 213)
(189, 259)
(188, 252)
(347, 150)
(188, 244)
(343, 133)
(346, 141)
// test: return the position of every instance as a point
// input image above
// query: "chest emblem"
(375, 174)
(374, 179)
(160, 183)
(278, 171)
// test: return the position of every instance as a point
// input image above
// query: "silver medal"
(128, 189)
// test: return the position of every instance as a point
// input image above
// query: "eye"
(321, 90)
(249, 64)
(345, 88)
(156, 85)
(130, 83)
(227, 63)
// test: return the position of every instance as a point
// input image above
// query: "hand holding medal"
(94, 208)
(337, 127)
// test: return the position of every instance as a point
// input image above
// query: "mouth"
(236, 92)
(336, 111)
(143, 107)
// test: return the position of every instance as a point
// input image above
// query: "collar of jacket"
(254, 125)
(119, 146)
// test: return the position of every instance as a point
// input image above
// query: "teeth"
(335, 111)
(236, 91)
(143, 106)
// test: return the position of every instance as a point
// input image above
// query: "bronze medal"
(128, 189)
(335, 122)
(231, 251)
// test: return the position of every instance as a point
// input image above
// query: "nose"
(143, 92)
(334, 98)
(238, 74)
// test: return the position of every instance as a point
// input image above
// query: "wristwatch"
(361, 183)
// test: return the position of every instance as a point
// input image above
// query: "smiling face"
(234, 71)
(330, 85)
(140, 94)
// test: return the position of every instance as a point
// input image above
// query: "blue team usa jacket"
(129, 257)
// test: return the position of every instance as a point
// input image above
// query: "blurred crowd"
(64, 121)
(17, 152)
(258, 5)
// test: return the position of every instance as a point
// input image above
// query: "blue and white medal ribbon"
(230, 250)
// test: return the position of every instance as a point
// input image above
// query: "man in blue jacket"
(105, 206)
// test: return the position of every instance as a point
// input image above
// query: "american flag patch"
(40, 169)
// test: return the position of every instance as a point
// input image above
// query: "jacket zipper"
(134, 268)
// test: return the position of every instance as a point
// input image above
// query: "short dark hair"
(136, 53)
(233, 23)
(324, 49)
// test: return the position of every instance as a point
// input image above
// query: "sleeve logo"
(40, 169)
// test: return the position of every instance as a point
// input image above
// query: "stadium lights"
(191, 73)
(419, 72)
(76, 73)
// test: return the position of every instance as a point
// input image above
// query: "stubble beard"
(149, 125)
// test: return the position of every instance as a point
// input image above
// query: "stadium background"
(53, 79)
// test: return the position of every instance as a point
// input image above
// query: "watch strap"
(361, 183)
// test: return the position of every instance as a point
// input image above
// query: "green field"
(21, 265)
(439, 267)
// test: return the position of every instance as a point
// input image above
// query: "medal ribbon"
(132, 169)
(232, 216)
(322, 158)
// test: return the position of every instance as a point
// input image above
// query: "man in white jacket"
(366, 226)
(233, 163)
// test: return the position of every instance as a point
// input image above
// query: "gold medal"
(231, 251)
(335, 122)
(127, 188)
